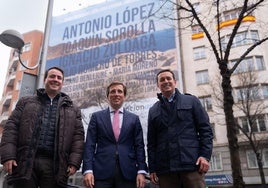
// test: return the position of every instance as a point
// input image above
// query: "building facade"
(249, 82)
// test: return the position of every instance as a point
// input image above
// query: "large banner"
(128, 41)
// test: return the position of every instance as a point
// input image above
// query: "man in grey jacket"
(179, 137)
(42, 142)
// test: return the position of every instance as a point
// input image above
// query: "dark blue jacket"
(101, 146)
(176, 148)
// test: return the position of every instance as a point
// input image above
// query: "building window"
(255, 63)
(14, 105)
(213, 130)
(197, 8)
(265, 91)
(249, 93)
(244, 125)
(196, 29)
(252, 160)
(15, 53)
(260, 65)
(259, 124)
(206, 102)
(245, 66)
(230, 15)
(245, 38)
(265, 157)
(202, 77)
(25, 62)
(26, 47)
(242, 38)
(216, 162)
(197, 32)
(18, 85)
(199, 53)
(253, 36)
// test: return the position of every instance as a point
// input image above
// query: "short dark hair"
(165, 70)
(59, 69)
(116, 83)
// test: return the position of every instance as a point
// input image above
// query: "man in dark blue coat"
(179, 137)
(112, 161)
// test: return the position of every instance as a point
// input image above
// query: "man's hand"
(89, 180)
(71, 170)
(203, 164)
(154, 178)
(8, 166)
(140, 181)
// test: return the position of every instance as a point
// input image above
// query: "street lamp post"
(14, 39)
(43, 55)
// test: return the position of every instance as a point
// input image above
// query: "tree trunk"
(260, 165)
(228, 103)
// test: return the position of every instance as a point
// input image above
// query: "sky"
(27, 15)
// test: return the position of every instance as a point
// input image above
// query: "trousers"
(42, 175)
(118, 181)
(182, 180)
